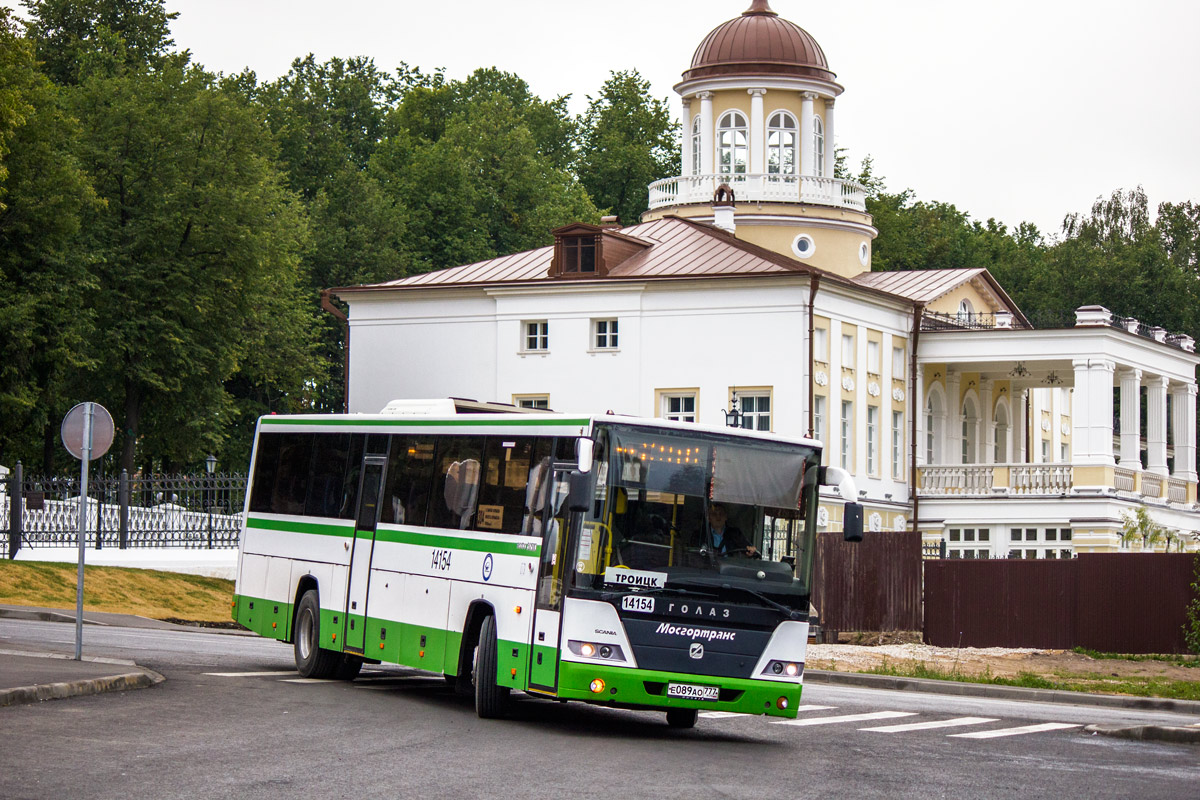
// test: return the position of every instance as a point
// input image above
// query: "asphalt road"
(233, 720)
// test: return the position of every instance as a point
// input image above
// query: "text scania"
(696, 633)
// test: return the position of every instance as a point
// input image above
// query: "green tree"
(1140, 527)
(75, 35)
(197, 240)
(44, 323)
(627, 141)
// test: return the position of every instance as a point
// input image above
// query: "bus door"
(354, 632)
(552, 571)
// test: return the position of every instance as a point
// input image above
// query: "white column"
(685, 167)
(1131, 418)
(830, 153)
(806, 134)
(954, 420)
(1156, 424)
(1020, 424)
(1091, 417)
(987, 418)
(706, 132)
(758, 136)
(916, 405)
(1183, 426)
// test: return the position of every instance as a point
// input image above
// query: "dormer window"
(579, 254)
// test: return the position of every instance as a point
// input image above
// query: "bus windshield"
(705, 512)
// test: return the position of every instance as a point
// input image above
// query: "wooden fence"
(872, 585)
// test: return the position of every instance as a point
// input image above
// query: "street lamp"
(210, 465)
(733, 417)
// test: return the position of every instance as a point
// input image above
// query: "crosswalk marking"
(1046, 726)
(846, 718)
(925, 726)
(814, 708)
(308, 680)
(719, 714)
(251, 674)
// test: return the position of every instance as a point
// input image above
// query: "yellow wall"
(948, 303)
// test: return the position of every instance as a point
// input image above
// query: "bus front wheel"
(491, 700)
(311, 660)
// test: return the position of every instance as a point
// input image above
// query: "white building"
(930, 386)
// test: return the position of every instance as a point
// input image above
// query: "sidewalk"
(27, 677)
(209, 563)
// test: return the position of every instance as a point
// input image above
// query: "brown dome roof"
(756, 43)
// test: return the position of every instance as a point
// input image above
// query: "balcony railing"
(1039, 480)
(1177, 490)
(757, 188)
(1152, 485)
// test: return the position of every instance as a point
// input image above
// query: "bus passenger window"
(505, 474)
(409, 481)
(456, 486)
(331, 461)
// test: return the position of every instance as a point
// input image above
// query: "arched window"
(818, 146)
(1000, 451)
(965, 310)
(781, 144)
(933, 413)
(970, 424)
(696, 145)
(732, 143)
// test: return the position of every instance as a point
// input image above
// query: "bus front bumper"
(639, 688)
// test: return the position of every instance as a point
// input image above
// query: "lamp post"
(210, 465)
(733, 417)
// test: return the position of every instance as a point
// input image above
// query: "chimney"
(610, 222)
(723, 208)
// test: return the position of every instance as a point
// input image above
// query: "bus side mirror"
(584, 448)
(852, 529)
(579, 495)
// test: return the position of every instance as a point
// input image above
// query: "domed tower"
(758, 105)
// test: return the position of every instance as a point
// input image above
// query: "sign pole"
(83, 488)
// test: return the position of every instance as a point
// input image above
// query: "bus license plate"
(693, 692)
(637, 602)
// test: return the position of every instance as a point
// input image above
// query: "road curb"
(1145, 733)
(998, 692)
(58, 691)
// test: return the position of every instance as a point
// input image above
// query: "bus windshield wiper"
(790, 613)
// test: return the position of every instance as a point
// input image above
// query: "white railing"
(1123, 477)
(760, 188)
(967, 479)
(1039, 479)
(1152, 485)
(1176, 490)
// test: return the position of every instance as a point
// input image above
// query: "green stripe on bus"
(501, 422)
(292, 526)
(446, 541)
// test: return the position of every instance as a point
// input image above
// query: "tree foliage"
(77, 36)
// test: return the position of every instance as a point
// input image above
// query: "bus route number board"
(691, 691)
(637, 602)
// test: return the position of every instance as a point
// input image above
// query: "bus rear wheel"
(311, 660)
(491, 700)
(682, 717)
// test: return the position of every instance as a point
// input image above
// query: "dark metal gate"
(872, 585)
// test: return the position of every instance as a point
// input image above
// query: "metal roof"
(926, 285)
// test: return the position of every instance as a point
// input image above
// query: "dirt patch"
(1001, 662)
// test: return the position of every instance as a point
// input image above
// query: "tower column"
(806, 134)
(706, 132)
(1156, 425)
(758, 139)
(685, 167)
(1183, 426)
(830, 154)
(1131, 418)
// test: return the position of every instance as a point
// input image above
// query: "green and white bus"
(565, 556)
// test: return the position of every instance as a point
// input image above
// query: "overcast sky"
(1017, 110)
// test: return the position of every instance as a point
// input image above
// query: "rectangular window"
(1031, 534)
(1064, 452)
(819, 418)
(873, 357)
(605, 334)
(409, 480)
(679, 407)
(1045, 451)
(1031, 554)
(872, 437)
(579, 254)
(756, 411)
(985, 534)
(533, 401)
(1015, 534)
(847, 351)
(898, 445)
(968, 534)
(1064, 554)
(898, 363)
(537, 336)
(847, 434)
(457, 475)
(507, 463)
(1065, 534)
(820, 344)
(955, 535)
(1051, 535)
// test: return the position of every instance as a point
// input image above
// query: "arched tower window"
(732, 143)
(781, 144)
(970, 424)
(965, 310)
(696, 145)
(933, 416)
(818, 146)
(1000, 451)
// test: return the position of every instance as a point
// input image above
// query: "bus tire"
(348, 668)
(681, 717)
(491, 700)
(311, 660)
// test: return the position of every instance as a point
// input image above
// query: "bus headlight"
(596, 652)
(790, 669)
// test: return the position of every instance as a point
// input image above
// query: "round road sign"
(101, 430)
